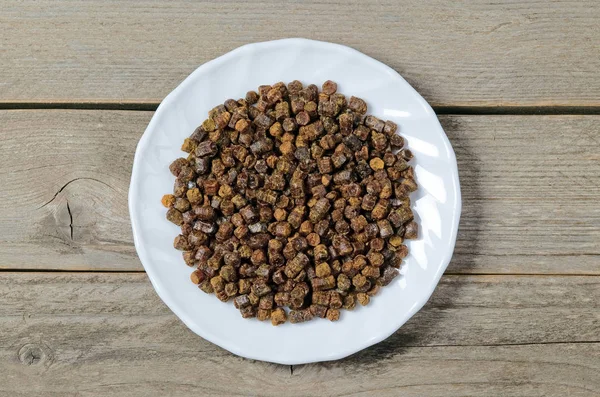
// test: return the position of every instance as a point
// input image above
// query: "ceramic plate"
(436, 204)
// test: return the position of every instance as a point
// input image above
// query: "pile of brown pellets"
(293, 198)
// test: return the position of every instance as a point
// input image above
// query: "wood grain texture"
(481, 53)
(65, 178)
(84, 334)
(530, 186)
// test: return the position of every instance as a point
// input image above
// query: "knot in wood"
(35, 354)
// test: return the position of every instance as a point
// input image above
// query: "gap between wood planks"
(440, 110)
(17, 270)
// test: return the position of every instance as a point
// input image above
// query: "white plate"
(437, 203)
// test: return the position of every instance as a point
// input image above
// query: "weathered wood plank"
(530, 370)
(455, 53)
(530, 188)
(65, 178)
(84, 334)
(530, 185)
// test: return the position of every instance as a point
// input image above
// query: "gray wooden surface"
(530, 187)
(456, 53)
(518, 311)
(79, 334)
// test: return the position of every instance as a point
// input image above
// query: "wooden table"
(516, 85)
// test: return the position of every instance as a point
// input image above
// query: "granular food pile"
(293, 198)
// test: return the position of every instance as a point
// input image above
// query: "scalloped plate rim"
(215, 339)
